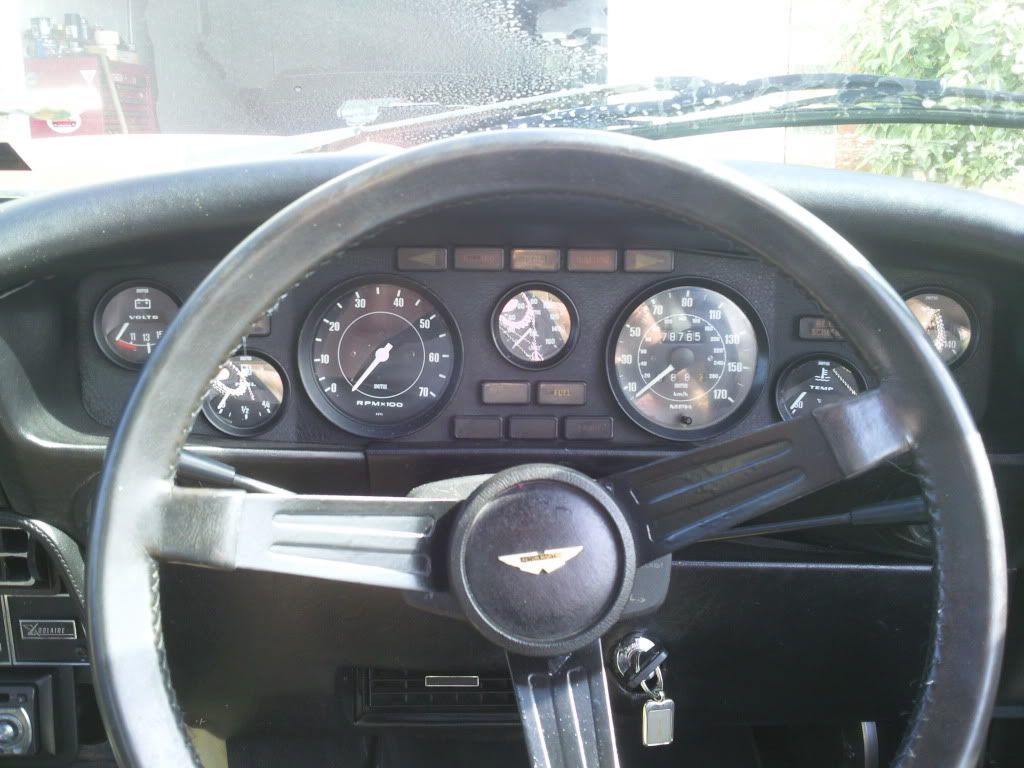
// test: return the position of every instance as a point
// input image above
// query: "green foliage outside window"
(968, 43)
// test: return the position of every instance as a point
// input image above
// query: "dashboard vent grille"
(402, 694)
(15, 553)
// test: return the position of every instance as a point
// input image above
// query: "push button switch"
(589, 428)
(505, 392)
(533, 427)
(477, 427)
(480, 259)
(422, 259)
(562, 393)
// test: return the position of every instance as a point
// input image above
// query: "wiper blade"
(416, 130)
(681, 106)
(688, 106)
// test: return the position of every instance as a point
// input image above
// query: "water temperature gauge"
(246, 395)
(816, 381)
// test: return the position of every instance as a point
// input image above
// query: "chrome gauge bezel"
(101, 305)
(972, 317)
(326, 406)
(218, 423)
(757, 384)
(570, 342)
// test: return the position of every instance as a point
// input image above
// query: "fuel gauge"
(812, 382)
(246, 395)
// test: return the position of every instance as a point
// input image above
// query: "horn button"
(542, 560)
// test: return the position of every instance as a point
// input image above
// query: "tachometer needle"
(380, 356)
(655, 380)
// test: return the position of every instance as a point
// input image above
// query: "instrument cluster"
(381, 354)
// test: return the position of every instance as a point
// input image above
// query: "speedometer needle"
(655, 380)
(380, 356)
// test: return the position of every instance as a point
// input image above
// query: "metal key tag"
(658, 727)
(659, 723)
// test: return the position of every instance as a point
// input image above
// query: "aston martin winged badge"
(548, 561)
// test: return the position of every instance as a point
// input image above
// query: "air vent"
(416, 696)
(20, 562)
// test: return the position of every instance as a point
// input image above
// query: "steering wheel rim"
(132, 677)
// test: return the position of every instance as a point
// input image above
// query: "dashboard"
(590, 344)
(559, 330)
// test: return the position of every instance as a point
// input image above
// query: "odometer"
(379, 358)
(684, 359)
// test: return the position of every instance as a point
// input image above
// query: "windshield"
(733, 79)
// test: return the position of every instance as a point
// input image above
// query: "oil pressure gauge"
(245, 396)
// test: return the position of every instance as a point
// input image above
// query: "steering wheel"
(549, 621)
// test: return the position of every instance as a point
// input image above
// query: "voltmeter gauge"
(246, 395)
(130, 321)
(812, 382)
(946, 321)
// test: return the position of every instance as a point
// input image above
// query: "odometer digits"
(685, 358)
(379, 358)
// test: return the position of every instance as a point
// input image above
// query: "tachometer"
(379, 358)
(684, 359)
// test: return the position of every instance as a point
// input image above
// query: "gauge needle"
(655, 380)
(796, 403)
(121, 332)
(522, 338)
(380, 356)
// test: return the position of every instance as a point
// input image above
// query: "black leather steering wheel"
(621, 522)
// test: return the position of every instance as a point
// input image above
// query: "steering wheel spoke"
(565, 709)
(701, 493)
(380, 541)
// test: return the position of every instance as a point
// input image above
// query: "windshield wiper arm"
(416, 130)
(678, 107)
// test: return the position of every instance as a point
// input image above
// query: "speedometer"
(686, 358)
(379, 358)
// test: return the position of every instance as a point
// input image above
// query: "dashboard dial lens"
(534, 326)
(813, 382)
(246, 395)
(380, 358)
(131, 320)
(946, 321)
(684, 359)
